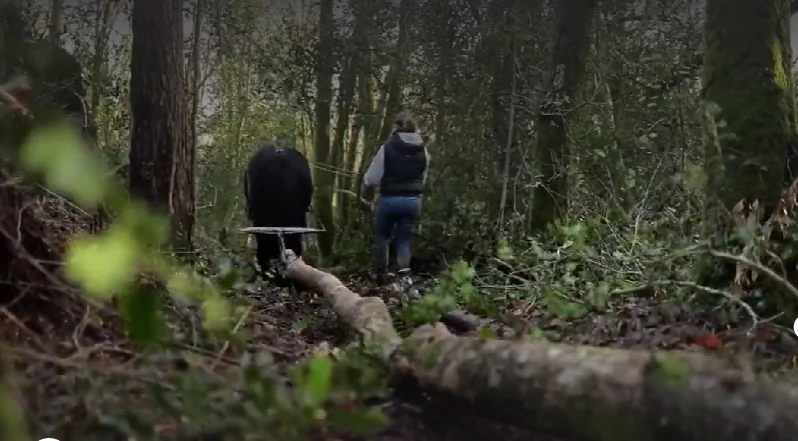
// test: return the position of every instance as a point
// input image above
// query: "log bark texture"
(590, 393)
(576, 392)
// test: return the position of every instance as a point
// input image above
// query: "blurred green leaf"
(104, 264)
(316, 387)
(59, 152)
(216, 313)
(144, 321)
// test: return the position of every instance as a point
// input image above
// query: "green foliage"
(105, 264)
(258, 399)
(570, 272)
(574, 270)
(58, 153)
(451, 289)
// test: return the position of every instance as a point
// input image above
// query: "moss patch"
(670, 372)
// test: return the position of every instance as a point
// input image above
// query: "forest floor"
(79, 378)
(55, 356)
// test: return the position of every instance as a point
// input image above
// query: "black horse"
(278, 187)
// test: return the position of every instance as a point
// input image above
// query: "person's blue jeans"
(396, 216)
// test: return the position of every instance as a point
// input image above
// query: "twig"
(633, 290)
(63, 199)
(76, 334)
(101, 347)
(34, 262)
(227, 342)
(767, 271)
(201, 351)
(19, 225)
(22, 326)
(70, 363)
(734, 299)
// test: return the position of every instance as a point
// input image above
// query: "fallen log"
(590, 393)
(368, 316)
(576, 392)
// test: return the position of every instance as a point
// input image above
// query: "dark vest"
(403, 168)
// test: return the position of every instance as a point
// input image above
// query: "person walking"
(399, 169)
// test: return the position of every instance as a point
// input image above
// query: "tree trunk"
(606, 174)
(360, 129)
(367, 119)
(443, 41)
(370, 118)
(508, 146)
(196, 85)
(56, 20)
(161, 170)
(747, 73)
(325, 181)
(350, 84)
(552, 149)
(390, 97)
(510, 43)
(348, 81)
(102, 26)
(393, 99)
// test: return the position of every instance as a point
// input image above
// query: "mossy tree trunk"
(512, 40)
(368, 120)
(362, 34)
(747, 74)
(325, 181)
(56, 20)
(161, 171)
(348, 84)
(608, 172)
(573, 38)
(103, 17)
(195, 94)
(444, 39)
(391, 99)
